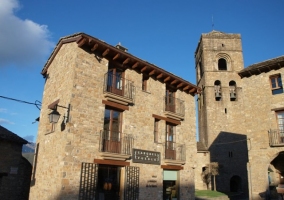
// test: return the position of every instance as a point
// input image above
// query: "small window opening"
(156, 133)
(200, 69)
(276, 84)
(233, 90)
(222, 64)
(225, 110)
(144, 82)
(218, 92)
(230, 154)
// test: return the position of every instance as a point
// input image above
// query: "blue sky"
(162, 32)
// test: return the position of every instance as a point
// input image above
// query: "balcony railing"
(174, 107)
(119, 88)
(174, 151)
(113, 142)
(276, 137)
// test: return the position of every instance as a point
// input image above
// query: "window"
(200, 69)
(112, 134)
(280, 122)
(156, 133)
(218, 92)
(115, 80)
(276, 84)
(144, 82)
(233, 89)
(222, 64)
(170, 99)
(170, 142)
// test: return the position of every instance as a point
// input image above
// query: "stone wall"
(16, 171)
(76, 77)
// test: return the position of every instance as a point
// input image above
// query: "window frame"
(278, 89)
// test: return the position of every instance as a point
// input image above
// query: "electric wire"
(36, 103)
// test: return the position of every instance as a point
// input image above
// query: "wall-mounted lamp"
(55, 115)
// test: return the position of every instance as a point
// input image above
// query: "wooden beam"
(111, 162)
(186, 88)
(174, 81)
(135, 65)
(152, 72)
(116, 56)
(167, 79)
(126, 61)
(53, 105)
(115, 105)
(160, 75)
(105, 52)
(173, 121)
(144, 68)
(192, 90)
(173, 167)
(82, 42)
(180, 85)
(94, 47)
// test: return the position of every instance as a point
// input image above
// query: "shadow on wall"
(146, 191)
(230, 151)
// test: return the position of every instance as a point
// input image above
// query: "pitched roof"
(7, 135)
(265, 66)
(122, 58)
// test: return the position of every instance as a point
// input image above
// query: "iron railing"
(117, 85)
(113, 142)
(174, 151)
(174, 105)
(276, 137)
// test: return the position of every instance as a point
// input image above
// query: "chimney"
(119, 46)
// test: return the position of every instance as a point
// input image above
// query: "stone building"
(126, 127)
(15, 170)
(241, 117)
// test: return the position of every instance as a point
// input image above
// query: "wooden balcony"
(115, 147)
(174, 153)
(174, 108)
(119, 90)
(276, 137)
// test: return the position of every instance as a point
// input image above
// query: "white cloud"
(3, 110)
(23, 42)
(5, 121)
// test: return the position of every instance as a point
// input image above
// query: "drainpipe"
(250, 184)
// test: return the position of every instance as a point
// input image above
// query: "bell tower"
(218, 59)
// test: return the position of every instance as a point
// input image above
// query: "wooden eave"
(263, 67)
(123, 60)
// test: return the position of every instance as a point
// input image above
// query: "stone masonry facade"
(235, 131)
(75, 76)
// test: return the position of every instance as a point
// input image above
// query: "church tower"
(218, 59)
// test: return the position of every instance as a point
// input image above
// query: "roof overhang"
(123, 60)
(263, 67)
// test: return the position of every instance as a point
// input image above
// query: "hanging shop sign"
(147, 157)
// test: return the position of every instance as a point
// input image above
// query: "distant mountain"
(29, 148)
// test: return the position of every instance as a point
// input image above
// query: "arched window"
(217, 88)
(222, 64)
(233, 90)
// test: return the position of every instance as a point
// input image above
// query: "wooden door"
(115, 81)
(170, 142)
(112, 136)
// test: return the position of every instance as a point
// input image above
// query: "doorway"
(170, 185)
(108, 187)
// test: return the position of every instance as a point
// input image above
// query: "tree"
(211, 169)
